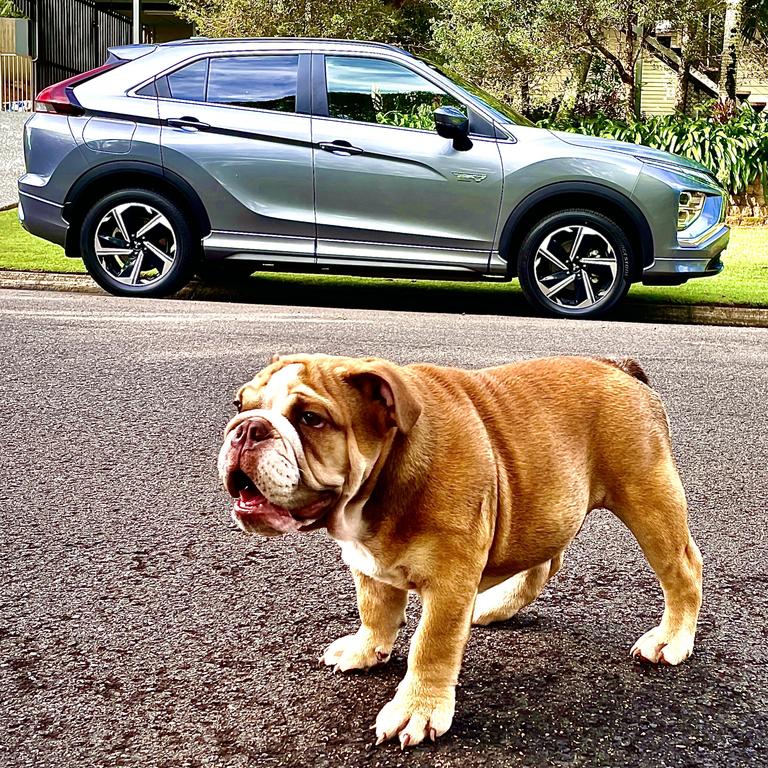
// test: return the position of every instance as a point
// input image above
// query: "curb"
(689, 314)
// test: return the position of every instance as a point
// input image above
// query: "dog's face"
(309, 431)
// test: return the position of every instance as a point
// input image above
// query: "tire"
(137, 242)
(584, 284)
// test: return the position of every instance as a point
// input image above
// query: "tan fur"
(464, 481)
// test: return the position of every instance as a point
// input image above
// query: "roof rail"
(201, 40)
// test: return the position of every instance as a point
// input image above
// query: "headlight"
(689, 209)
(701, 174)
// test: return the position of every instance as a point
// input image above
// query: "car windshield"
(501, 111)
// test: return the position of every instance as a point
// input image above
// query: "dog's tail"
(630, 366)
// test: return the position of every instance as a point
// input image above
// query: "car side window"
(382, 92)
(188, 83)
(259, 82)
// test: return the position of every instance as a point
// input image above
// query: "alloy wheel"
(135, 244)
(575, 267)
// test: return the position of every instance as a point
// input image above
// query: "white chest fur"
(359, 557)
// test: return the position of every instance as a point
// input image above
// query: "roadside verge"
(630, 311)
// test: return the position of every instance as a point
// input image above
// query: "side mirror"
(452, 123)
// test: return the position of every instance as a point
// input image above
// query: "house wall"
(753, 74)
(658, 82)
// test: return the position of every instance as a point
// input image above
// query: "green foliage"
(736, 149)
(754, 20)
(8, 10)
(362, 19)
(420, 116)
(505, 46)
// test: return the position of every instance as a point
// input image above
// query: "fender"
(137, 168)
(616, 200)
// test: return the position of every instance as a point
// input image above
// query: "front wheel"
(136, 242)
(575, 263)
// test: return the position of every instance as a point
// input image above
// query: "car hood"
(627, 148)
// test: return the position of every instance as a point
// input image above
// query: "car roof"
(318, 43)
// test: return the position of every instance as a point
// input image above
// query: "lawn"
(743, 282)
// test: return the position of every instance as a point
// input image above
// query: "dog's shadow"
(565, 694)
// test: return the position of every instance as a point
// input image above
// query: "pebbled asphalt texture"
(138, 627)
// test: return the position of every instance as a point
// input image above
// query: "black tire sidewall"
(608, 228)
(186, 251)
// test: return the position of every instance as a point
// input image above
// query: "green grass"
(20, 250)
(743, 282)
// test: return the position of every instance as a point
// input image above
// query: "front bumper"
(676, 265)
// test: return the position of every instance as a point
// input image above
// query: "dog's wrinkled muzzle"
(259, 469)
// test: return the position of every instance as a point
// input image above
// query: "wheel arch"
(577, 194)
(113, 176)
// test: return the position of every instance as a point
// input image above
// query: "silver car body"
(262, 188)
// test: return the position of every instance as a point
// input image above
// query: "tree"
(404, 21)
(731, 45)
(502, 45)
(691, 20)
(615, 30)
(754, 21)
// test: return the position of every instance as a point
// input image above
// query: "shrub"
(734, 147)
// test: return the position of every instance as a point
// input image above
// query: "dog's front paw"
(415, 714)
(659, 647)
(358, 651)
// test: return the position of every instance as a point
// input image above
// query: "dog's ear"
(382, 383)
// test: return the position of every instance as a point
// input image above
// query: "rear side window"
(188, 83)
(259, 82)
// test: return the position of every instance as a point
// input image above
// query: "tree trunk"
(630, 98)
(730, 55)
(525, 93)
(681, 86)
(575, 86)
(683, 72)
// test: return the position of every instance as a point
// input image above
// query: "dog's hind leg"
(504, 600)
(656, 513)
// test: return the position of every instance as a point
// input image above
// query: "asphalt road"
(138, 627)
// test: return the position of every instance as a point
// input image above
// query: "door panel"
(398, 193)
(251, 166)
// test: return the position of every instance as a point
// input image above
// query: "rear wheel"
(136, 242)
(575, 263)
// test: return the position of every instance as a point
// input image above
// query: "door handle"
(340, 147)
(187, 122)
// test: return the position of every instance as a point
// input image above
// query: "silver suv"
(351, 157)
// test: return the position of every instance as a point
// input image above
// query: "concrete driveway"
(137, 627)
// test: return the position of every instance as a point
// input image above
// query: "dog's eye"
(238, 405)
(311, 419)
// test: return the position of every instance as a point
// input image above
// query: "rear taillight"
(60, 97)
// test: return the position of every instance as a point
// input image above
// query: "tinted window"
(377, 91)
(501, 111)
(261, 82)
(188, 83)
(148, 90)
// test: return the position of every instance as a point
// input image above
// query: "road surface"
(138, 627)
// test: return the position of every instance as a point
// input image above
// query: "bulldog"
(463, 486)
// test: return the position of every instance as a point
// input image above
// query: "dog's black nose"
(251, 432)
